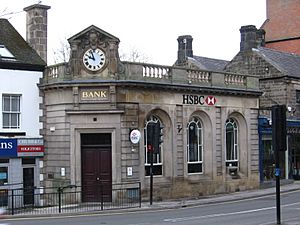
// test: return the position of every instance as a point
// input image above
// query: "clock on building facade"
(94, 59)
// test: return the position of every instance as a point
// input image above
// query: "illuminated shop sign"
(31, 147)
(94, 95)
(198, 100)
(8, 148)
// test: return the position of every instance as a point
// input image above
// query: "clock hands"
(91, 56)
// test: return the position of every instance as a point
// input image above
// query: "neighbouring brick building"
(283, 25)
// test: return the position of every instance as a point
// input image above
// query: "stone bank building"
(91, 104)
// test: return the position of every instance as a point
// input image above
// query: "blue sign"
(3, 176)
(277, 172)
(8, 148)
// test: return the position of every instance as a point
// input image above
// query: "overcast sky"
(150, 26)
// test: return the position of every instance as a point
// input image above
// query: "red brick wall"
(283, 19)
(292, 46)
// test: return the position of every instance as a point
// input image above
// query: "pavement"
(263, 191)
(267, 189)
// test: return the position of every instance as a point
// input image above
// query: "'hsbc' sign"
(198, 100)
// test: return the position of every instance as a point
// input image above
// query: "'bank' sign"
(94, 95)
(8, 147)
(198, 100)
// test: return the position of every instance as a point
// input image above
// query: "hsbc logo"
(210, 100)
(198, 100)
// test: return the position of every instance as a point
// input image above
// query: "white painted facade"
(23, 83)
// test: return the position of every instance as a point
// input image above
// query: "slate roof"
(287, 63)
(26, 57)
(209, 63)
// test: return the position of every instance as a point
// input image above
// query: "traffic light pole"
(151, 176)
(153, 142)
(279, 145)
(277, 175)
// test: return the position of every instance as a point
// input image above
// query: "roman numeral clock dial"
(94, 59)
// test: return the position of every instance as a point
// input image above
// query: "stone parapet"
(142, 72)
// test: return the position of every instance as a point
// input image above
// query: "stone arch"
(207, 130)
(167, 151)
(242, 141)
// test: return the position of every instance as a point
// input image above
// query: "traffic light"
(279, 127)
(154, 136)
(157, 137)
(150, 136)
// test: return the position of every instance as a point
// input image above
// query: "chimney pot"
(185, 48)
(36, 28)
(251, 37)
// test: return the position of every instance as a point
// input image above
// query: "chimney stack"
(185, 48)
(36, 28)
(251, 37)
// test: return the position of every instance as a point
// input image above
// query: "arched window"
(194, 146)
(157, 155)
(231, 143)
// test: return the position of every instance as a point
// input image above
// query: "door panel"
(28, 185)
(96, 168)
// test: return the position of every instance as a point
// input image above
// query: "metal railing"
(70, 199)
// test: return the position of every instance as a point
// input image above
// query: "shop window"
(268, 158)
(3, 175)
(157, 156)
(231, 143)
(3, 181)
(4, 160)
(11, 111)
(194, 146)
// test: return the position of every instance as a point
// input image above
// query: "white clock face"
(94, 59)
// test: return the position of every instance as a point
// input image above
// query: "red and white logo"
(210, 100)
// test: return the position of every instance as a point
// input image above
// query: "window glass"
(231, 143)
(6, 103)
(157, 156)
(194, 146)
(28, 161)
(4, 52)
(3, 175)
(11, 111)
(15, 103)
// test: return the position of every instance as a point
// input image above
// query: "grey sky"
(150, 26)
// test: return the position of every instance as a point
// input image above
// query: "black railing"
(70, 199)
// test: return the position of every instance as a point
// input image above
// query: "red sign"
(28, 148)
(210, 100)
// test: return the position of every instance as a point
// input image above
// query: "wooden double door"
(96, 167)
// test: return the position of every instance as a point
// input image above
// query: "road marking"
(181, 219)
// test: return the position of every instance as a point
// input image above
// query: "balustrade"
(198, 76)
(235, 79)
(156, 71)
(167, 74)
